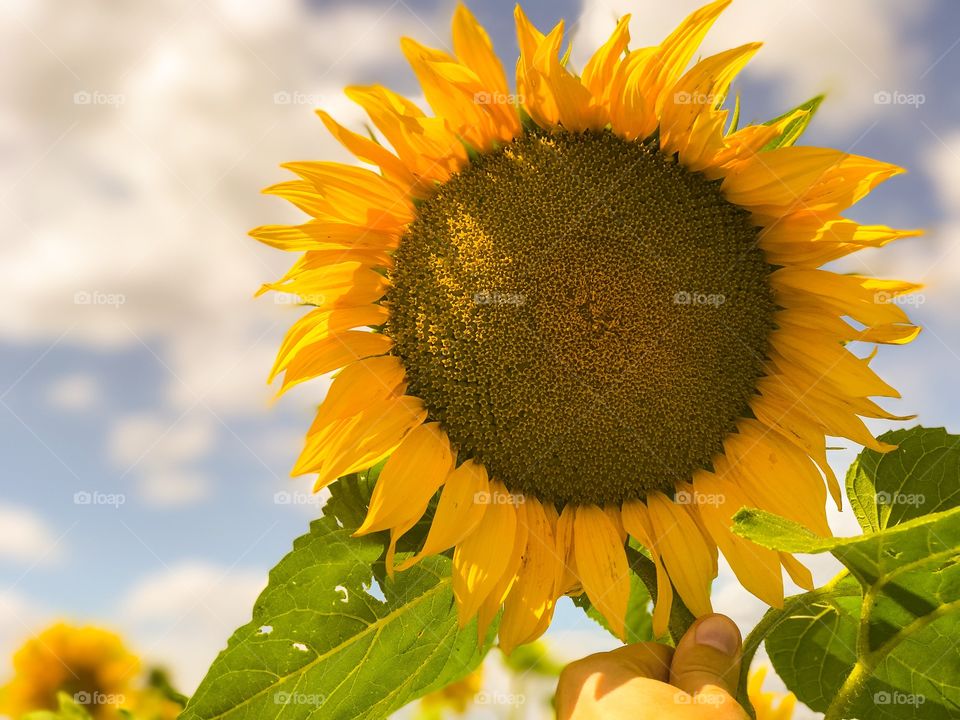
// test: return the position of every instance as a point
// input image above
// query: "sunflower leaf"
(879, 641)
(327, 640)
(796, 128)
(920, 477)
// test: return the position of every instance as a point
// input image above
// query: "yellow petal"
(773, 182)
(345, 284)
(691, 123)
(494, 601)
(569, 582)
(412, 475)
(797, 571)
(777, 477)
(598, 72)
(361, 441)
(636, 521)
(534, 594)
(318, 235)
(685, 553)
(481, 559)
(670, 59)
(320, 324)
(459, 511)
(474, 49)
(757, 568)
(602, 565)
(331, 353)
(369, 151)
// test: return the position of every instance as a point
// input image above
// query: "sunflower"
(769, 705)
(90, 665)
(586, 310)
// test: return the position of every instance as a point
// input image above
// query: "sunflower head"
(583, 308)
(90, 665)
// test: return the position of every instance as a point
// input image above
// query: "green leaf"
(920, 477)
(889, 653)
(796, 128)
(322, 644)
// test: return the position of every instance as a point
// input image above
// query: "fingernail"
(720, 633)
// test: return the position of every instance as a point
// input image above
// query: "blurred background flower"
(144, 480)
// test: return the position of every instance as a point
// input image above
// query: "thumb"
(707, 658)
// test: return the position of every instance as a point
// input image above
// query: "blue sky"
(133, 355)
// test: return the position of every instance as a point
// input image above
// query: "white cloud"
(162, 452)
(78, 392)
(132, 170)
(183, 615)
(26, 538)
(810, 47)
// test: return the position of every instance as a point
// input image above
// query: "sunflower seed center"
(583, 315)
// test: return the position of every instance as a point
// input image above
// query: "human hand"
(650, 681)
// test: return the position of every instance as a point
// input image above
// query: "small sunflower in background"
(769, 705)
(91, 666)
(93, 669)
(457, 697)
(586, 310)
